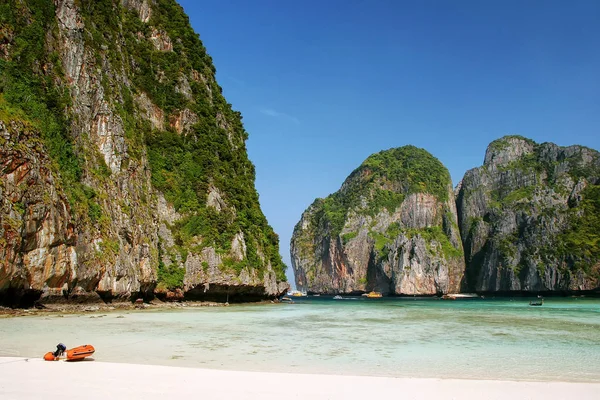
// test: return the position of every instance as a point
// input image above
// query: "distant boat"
(297, 293)
(537, 302)
(337, 297)
(454, 296)
(372, 295)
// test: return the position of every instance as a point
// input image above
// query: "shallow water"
(470, 338)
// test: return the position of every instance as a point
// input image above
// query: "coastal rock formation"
(392, 227)
(37, 247)
(115, 141)
(530, 218)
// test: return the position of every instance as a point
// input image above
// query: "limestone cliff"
(123, 170)
(530, 218)
(392, 227)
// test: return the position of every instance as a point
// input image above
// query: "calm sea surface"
(471, 338)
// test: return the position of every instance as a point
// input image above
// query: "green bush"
(170, 276)
(346, 237)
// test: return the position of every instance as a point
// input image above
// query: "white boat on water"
(337, 297)
(297, 293)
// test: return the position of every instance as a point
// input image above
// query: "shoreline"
(68, 308)
(34, 378)
(56, 305)
(78, 308)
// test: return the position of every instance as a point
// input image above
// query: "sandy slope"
(22, 378)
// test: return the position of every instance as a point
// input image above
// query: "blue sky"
(323, 84)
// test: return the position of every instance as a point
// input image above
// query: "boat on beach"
(81, 352)
(74, 354)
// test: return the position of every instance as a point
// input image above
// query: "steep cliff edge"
(124, 171)
(530, 218)
(392, 227)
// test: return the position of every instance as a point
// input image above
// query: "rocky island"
(123, 169)
(392, 228)
(528, 220)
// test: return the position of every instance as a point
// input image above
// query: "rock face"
(124, 171)
(530, 218)
(392, 227)
(37, 248)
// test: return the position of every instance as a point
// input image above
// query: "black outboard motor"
(60, 350)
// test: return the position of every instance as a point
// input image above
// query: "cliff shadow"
(226, 294)
(377, 280)
(19, 298)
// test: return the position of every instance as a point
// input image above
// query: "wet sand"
(24, 378)
(74, 308)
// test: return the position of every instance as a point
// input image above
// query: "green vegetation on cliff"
(532, 206)
(583, 236)
(503, 142)
(169, 276)
(432, 234)
(185, 167)
(541, 171)
(416, 169)
(384, 180)
(29, 95)
(179, 79)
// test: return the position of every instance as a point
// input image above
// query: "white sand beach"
(27, 378)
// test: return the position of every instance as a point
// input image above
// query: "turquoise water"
(471, 338)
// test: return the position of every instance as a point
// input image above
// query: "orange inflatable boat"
(81, 352)
(74, 354)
